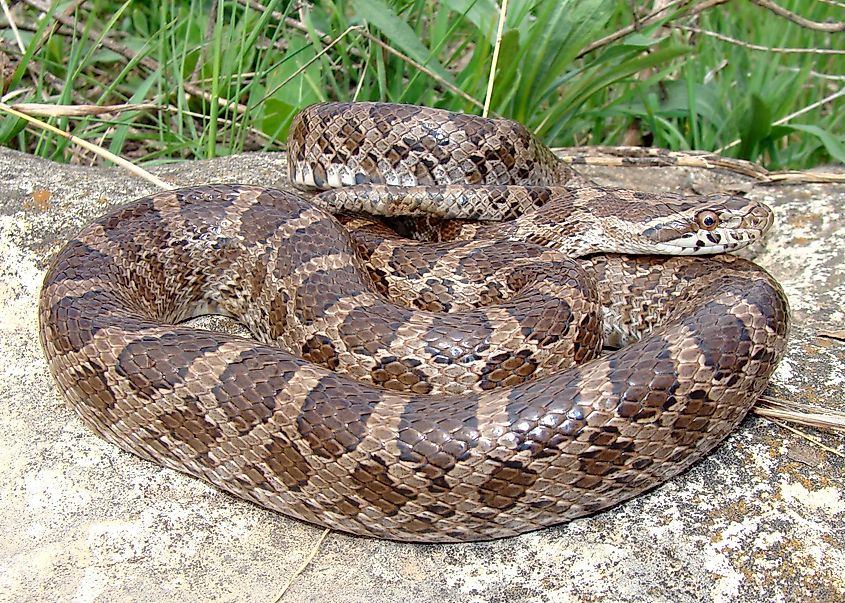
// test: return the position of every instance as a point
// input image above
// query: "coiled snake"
(391, 420)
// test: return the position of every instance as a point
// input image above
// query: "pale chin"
(689, 246)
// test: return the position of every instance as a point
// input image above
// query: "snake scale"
(389, 419)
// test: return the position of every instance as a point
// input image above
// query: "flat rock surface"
(759, 519)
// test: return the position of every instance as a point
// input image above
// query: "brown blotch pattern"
(295, 437)
(320, 350)
(506, 485)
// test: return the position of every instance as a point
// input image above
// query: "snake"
(413, 414)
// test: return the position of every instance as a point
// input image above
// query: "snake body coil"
(347, 420)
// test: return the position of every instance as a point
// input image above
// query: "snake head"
(707, 225)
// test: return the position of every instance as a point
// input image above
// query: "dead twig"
(750, 46)
(809, 415)
(648, 19)
(798, 19)
(127, 165)
(209, 32)
(48, 110)
(12, 25)
(448, 85)
(807, 437)
(55, 24)
(838, 335)
(146, 62)
(627, 156)
(327, 39)
(298, 25)
(309, 62)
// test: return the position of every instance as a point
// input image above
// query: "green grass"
(232, 81)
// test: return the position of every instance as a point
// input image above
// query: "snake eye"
(708, 220)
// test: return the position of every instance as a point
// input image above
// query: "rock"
(759, 519)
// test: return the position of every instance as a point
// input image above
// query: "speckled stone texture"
(760, 519)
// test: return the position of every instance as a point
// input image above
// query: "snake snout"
(759, 218)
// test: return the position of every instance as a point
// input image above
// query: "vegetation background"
(177, 79)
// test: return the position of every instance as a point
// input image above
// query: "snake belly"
(290, 435)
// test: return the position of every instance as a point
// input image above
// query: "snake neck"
(562, 173)
(579, 239)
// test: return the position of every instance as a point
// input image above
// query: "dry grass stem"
(492, 77)
(308, 63)
(809, 415)
(359, 86)
(12, 94)
(799, 177)
(838, 334)
(648, 20)
(451, 87)
(314, 550)
(748, 45)
(297, 25)
(824, 76)
(146, 62)
(807, 437)
(798, 19)
(12, 25)
(220, 120)
(209, 33)
(54, 26)
(48, 110)
(627, 156)
(140, 172)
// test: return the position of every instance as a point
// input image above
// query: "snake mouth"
(707, 243)
(737, 227)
